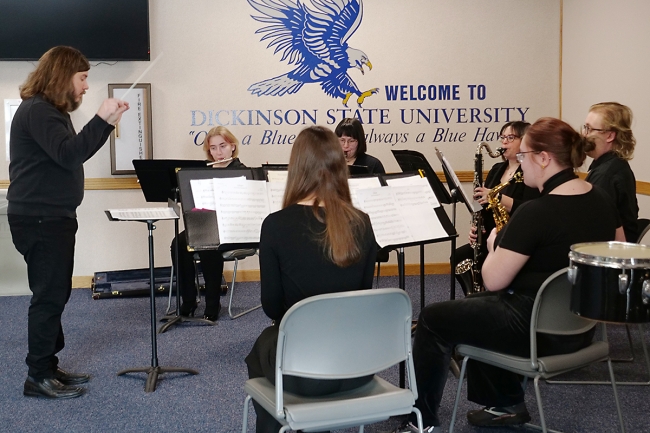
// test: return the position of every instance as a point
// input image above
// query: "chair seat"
(372, 402)
(238, 254)
(548, 365)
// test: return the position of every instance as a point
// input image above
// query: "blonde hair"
(618, 118)
(227, 136)
(52, 78)
(317, 169)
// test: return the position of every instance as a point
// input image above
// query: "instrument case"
(132, 283)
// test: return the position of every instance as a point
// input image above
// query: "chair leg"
(232, 291)
(418, 415)
(244, 427)
(361, 428)
(378, 272)
(538, 396)
(618, 405)
(460, 387)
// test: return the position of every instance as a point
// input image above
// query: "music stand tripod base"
(154, 372)
(173, 319)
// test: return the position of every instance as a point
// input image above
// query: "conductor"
(46, 186)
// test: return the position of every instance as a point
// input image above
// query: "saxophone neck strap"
(558, 179)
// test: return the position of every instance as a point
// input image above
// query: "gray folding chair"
(340, 336)
(551, 315)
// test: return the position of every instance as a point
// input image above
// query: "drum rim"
(608, 262)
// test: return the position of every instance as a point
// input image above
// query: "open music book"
(142, 214)
(400, 213)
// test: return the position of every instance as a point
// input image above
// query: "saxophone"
(468, 270)
(499, 212)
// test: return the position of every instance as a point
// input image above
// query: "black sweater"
(293, 265)
(47, 156)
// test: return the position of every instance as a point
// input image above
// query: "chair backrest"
(552, 314)
(346, 334)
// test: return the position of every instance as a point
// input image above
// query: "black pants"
(47, 244)
(494, 321)
(261, 363)
(211, 264)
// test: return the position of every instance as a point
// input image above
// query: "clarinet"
(468, 269)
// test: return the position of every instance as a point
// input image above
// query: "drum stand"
(154, 370)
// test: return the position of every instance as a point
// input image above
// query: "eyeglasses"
(520, 155)
(508, 138)
(587, 129)
(348, 141)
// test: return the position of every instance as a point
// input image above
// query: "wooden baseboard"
(387, 270)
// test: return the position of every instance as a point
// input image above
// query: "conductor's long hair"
(52, 78)
(317, 169)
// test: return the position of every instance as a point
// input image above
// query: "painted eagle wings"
(315, 40)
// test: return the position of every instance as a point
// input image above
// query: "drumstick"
(140, 77)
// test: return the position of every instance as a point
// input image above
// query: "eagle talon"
(366, 94)
(347, 98)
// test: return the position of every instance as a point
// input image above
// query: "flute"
(210, 164)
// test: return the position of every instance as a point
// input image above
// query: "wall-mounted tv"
(107, 30)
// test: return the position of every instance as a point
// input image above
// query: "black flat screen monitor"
(103, 30)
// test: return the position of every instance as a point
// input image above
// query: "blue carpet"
(108, 335)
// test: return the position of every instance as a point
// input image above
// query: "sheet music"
(275, 192)
(419, 182)
(203, 193)
(277, 175)
(143, 214)
(241, 207)
(385, 217)
(358, 183)
(466, 197)
(414, 203)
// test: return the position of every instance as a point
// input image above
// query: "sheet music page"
(417, 213)
(356, 184)
(418, 182)
(277, 175)
(275, 191)
(385, 217)
(469, 198)
(241, 207)
(203, 193)
(143, 214)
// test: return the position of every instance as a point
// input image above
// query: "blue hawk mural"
(315, 40)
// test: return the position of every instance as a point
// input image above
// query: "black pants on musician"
(211, 265)
(261, 363)
(494, 321)
(47, 245)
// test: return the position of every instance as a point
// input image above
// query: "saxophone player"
(511, 196)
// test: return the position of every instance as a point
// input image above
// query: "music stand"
(149, 216)
(411, 160)
(157, 178)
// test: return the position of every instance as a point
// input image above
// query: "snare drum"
(611, 281)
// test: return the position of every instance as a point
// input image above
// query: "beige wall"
(212, 54)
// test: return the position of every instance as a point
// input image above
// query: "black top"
(374, 165)
(47, 156)
(544, 229)
(235, 163)
(519, 192)
(293, 265)
(615, 176)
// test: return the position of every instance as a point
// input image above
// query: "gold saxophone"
(499, 212)
(469, 270)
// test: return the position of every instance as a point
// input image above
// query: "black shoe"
(50, 388)
(211, 312)
(70, 378)
(188, 308)
(499, 416)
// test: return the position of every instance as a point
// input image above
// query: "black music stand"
(157, 178)
(411, 160)
(154, 370)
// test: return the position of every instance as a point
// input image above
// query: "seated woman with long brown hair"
(318, 243)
